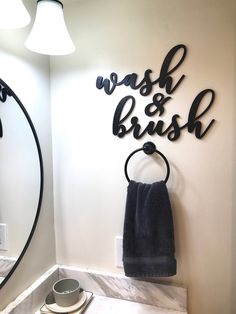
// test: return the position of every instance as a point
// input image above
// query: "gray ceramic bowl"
(66, 292)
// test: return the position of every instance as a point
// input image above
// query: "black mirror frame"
(11, 93)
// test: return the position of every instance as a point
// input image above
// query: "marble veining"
(33, 297)
(107, 305)
(120, 287)
(113, 294)
(6, 264)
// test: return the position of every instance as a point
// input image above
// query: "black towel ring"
(148, 148)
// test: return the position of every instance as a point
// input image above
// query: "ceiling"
(69, 1)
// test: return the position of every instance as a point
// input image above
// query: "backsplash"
(121, 287)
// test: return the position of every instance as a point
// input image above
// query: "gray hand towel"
(148, 239)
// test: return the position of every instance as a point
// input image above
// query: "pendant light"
(13, 14)
(49, 34)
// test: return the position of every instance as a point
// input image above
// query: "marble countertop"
(106, 305)
(112, 294)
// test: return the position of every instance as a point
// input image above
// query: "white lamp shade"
(49, 34)
(13, 14)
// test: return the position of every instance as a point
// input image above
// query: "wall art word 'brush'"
(125, 121)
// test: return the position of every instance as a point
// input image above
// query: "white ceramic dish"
(61, 309)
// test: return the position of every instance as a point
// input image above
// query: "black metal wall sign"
(157, 106)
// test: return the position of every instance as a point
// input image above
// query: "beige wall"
(28, 75)
(90, 187)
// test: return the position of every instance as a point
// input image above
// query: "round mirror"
(21, 181)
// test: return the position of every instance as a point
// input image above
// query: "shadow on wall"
(180, 225)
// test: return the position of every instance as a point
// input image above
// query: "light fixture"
(49, 34)
(13, 14)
